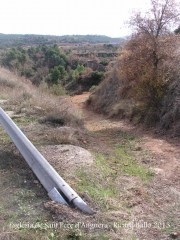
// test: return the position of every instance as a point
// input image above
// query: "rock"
(175, 235)
(39, 109)
(23, 110)
(157, 171)
(138, 149)
(36, 181)
(10, 113)
(2, 101)
(15, 116)
(175, 191)
(67, 157)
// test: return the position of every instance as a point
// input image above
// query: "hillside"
(130, 182)
(111, 98)
(143, 84)
(9, 40)
(72, 67)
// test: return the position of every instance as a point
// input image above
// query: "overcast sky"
(61, 17)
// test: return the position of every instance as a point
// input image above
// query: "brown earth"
(161, 208)
(165, 149)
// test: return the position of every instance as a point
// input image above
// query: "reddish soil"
(166, 150)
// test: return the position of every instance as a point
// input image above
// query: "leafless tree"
(149, 58)
(158, 22)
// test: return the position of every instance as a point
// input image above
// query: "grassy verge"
(102, 182)
(126, 163)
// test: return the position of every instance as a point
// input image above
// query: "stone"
(67, 157)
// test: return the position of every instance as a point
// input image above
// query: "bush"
(57, 89)
(54, 119)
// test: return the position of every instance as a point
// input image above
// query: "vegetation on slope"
(143, 79)
(11, 40)
(22, 97)
(47, 64)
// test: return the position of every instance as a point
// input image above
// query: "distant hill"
(9, 40)
(90, 39)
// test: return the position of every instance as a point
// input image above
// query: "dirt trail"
(157, 202)
(166, 152)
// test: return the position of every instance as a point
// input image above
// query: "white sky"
(61, 17)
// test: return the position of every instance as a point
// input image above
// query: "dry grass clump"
(9, 83)
(66, 135)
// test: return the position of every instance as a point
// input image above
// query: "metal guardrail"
(58, 190)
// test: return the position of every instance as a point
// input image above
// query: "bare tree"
(158, 22)
(149, 58)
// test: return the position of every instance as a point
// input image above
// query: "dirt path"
(166, 151)
(158, 202)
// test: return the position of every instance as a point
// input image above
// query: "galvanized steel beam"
(58, 190)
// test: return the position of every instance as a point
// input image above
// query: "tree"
(15, 58)
(147, 61)
(157, 23)
(57, 75)
(53, 57)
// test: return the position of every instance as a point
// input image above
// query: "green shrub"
(57, 89)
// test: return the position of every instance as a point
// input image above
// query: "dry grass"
(107, 93)
(66, 135)
(25, 194)
(23, 97)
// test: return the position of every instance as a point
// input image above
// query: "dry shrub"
(66, 135)
(9, 83)
(106, 94)
(146, 76)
